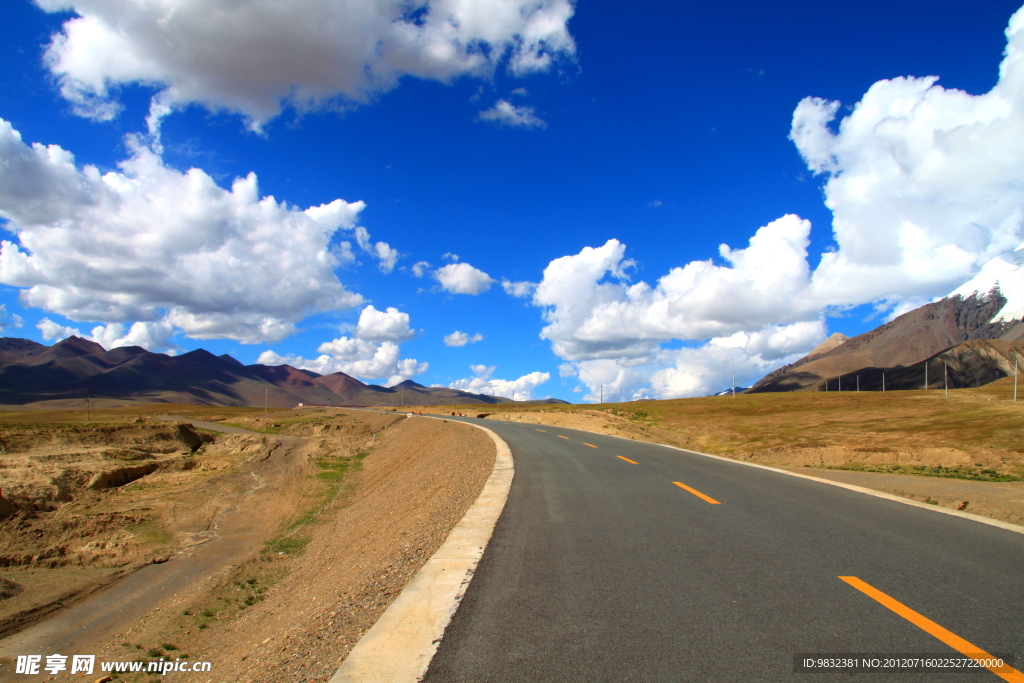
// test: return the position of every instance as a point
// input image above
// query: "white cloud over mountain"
(926, 186)
(255, 57)
(371, 353)
(483, 383)
(148, 243)
(152, 336)
(462, 278)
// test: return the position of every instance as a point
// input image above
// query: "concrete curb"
(399, 647)
(1008, 526)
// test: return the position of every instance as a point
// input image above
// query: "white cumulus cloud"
(457, 338)
(372, 353)
(388, 325)
(386, 256)
(148, 243)
(483, 383)
(462, 278)
(255, 57)
(925, 184)
(590, 316)
(507, 114)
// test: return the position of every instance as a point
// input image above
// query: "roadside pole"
(883, 381)
(926, 375)
(858, 384)
(840, 382)
(1014, 380)
(945, 377)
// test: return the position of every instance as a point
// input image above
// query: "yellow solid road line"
(696, 493)
(634, 462)
(562, 437)
(589, 444)
(1006, 672)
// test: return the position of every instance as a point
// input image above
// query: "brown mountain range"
(76, 368)
(945, 328)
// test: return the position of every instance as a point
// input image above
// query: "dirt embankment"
(313, 564)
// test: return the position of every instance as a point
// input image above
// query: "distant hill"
(76, 368)
(910, 339)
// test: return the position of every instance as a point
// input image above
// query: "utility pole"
(602, 394)
(858, 384)
(840, 382)
(926, 375)
(1014, 380)
(883, 381)
(945, 377)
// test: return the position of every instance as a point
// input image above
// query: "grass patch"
(289, 545)
(958, 472)
(226, 600)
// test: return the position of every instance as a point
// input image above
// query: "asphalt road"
(605, 570)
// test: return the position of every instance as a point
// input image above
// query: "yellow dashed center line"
(697, 493)
(1006, 672)
(541, 430)
(562, 437)
(634, 462)
(589, 444)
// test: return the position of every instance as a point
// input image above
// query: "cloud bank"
(255, 57)
(148, 243)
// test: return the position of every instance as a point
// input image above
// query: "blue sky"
(592, 149)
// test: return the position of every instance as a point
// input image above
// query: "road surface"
(624, 561)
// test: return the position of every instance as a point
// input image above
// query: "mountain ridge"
(76, 368)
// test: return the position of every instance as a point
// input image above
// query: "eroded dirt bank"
(276, 575)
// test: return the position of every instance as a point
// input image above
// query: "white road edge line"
(399, 647)
(1008, 526)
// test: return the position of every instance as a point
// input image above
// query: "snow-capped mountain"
(1006, 272)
